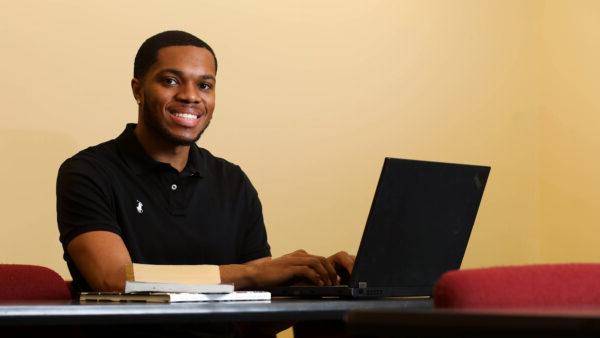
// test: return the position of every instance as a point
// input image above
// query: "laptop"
(418, 228)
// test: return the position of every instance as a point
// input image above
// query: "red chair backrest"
(528, 286)
(31, 282)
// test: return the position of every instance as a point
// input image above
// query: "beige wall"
(312, 95)
(570, 180)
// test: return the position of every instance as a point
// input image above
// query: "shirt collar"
(196, 165)
(136, 158)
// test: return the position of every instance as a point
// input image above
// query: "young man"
(153, 196)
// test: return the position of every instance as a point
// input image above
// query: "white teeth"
(187, 116)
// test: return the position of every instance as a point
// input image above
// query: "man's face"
(177, 94)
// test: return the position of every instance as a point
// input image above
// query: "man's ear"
(136, 88)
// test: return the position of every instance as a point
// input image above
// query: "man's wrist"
(242, 276)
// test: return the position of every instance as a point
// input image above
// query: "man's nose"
(188, 93)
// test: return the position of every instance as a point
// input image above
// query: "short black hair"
(148, 53)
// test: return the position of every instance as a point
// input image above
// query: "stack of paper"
(164, 297)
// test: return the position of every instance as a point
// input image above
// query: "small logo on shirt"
(139, 207)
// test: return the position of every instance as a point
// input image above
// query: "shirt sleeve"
(84, 200)
(255, 244)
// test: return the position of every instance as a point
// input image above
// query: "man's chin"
(182, 140)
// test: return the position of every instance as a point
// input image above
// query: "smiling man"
(153, 196)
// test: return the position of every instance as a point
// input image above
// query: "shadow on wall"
(29, 233)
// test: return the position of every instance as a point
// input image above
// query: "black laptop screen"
(420, 222)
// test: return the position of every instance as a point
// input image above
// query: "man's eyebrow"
(181, 74)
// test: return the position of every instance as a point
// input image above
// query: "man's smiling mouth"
(187, 116)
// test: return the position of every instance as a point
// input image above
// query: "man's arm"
(264, 272)
(101, 256)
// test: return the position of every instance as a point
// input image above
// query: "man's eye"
(205, 86)
(169, 81)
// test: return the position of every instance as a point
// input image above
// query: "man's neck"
(159, 150)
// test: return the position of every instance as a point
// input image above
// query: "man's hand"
(343, 264)
(294, 267)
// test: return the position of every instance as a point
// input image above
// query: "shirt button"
(174, 187)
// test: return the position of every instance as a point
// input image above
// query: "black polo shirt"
(207, 214)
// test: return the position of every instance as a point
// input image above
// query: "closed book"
(131, 286)
(180, 274)
(164, 297)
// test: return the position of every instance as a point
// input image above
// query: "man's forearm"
(242, 276)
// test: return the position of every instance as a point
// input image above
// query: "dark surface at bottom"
(204, 330)
(449, 323)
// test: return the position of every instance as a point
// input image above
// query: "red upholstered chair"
(528, 286)
(31, 282)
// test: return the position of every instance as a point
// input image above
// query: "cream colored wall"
(312, 95)
(571, 131)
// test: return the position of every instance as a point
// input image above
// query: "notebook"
(418, 227)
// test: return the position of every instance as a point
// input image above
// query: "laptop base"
(344, 291)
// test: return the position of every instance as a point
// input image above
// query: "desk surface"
(284, 309)
(541, 322)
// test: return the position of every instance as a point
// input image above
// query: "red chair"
(529, 286)
(31, 282)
